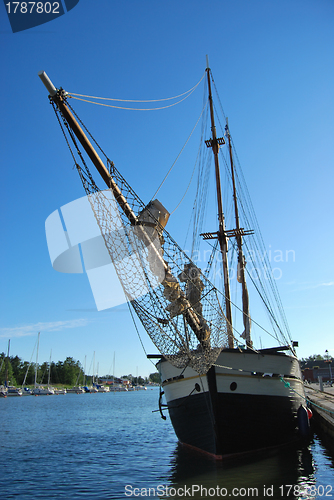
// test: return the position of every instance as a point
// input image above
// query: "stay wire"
(137, 109)
(136, 328)
(178, 156)
(71, 94)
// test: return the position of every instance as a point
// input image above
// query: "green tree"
(155, 377)
(311, 359)
(7, 373)
(69, 371)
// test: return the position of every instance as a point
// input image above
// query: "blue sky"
(273, 65)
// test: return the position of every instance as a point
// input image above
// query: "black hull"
(228, 424)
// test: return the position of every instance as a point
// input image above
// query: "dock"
(322, 406)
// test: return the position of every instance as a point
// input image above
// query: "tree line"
(69, 372)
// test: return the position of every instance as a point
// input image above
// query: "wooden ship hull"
(247, 401)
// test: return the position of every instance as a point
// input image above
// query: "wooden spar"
(96, 160)
(241, 259)
(222, 238)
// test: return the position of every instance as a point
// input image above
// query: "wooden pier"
(322, 406)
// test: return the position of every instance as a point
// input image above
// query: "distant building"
(311, 370)
(116, 381)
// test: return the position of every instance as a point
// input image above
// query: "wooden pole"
(222, 238)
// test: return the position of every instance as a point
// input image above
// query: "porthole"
(233, 386)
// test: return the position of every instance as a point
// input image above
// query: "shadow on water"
(265, 475)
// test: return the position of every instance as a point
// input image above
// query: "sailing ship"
(224, 395)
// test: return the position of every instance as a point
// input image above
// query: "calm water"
(111, 446)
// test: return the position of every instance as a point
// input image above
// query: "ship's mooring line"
(287, 384)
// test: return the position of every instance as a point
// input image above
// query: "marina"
(96, 447)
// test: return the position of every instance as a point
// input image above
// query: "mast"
(94, 370)
(214, 143)
(238, 233)
(7, 362)
(49, 374)
(37, 360)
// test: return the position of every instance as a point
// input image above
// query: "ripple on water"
(91, 446)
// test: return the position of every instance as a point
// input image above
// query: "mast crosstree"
(222, 234)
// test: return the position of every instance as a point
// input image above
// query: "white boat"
(102, 388)
(26, 391)
(13, 391)
(119, 388)
(58, 392)
(224, 395)
(40, 390)
(76, 390)
(3, 391)
(92, 389)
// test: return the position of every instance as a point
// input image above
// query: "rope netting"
(178, 307)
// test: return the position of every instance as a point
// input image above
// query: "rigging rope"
(256, 245)
(134, 100)
(187, 94)
(137, 330)
(178, 156)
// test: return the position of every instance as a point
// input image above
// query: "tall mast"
(7, 362)
(36, 366)
(214, 143)
(49, 375)
(238, 233)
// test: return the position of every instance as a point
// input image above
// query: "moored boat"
(26, 391)
(225, 396)
(13, 391)
(76, 390)
(40, 390)
(58, 392)
(102, 388)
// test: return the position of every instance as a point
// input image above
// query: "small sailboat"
(13, 391)
(39, 389)
(224, 395)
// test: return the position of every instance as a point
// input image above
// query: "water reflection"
(262, 476)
